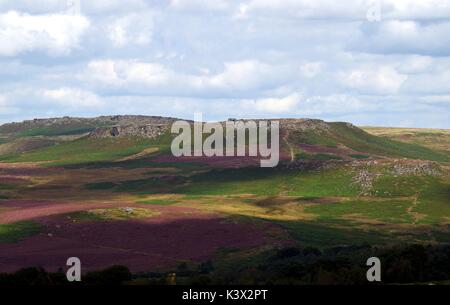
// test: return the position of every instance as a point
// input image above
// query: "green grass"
(260, 181)
(312, 137)
(389, 186)
(59, 131)
(323, 156)
(389, 210)
(323, 183)
(158, 202)
(84, 150)
(11, 233)
(234, 181)
(328, 234)
(183, 167)
(153, 185)
(362, 141)
(39, 128)
(434, 203)
(319, 156)
(358, 156)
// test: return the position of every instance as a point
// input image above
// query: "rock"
(129, 210)
(150, 131)
(304, 124)
(364, 179)
(411, 167)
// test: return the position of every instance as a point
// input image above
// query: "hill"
(437, 139)
(109, 189)
(301, 138)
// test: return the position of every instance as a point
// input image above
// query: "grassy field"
(437, 139)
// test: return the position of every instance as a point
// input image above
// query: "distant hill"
(437, 139)
(40, 139)
(74, 126)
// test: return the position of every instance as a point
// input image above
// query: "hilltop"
(301, 138)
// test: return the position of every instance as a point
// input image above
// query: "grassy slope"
(10, 233)
(436, 139)
(38, 129)
(271, 182)
(24, 137)
(20, 145)
(88, 150)
(361, 141)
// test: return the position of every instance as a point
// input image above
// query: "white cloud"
(241, 75)
(416, 9)
(228, 58)
(428, 83)
(73, 97)
(132, 29)
(55, 34)
(5, 107)
(355, 9)
(297, 104)
(373, 79)
(333, 104)
(406, 37)
(128, 72)
(311, 69)
(199, 5)
(278, 105)
(64, 6)
(132, 75)
(346, 10)
(415, 64)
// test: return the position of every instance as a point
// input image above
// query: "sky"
(369, 62)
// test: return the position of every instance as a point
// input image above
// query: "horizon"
(224, 120)
(371, 62)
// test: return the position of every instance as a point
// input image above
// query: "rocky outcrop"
(150, 131)
(415, 167)
(304, 124)
(12, 129)
(365, 179)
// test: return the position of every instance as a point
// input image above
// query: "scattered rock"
(364, 179)
(415, 168)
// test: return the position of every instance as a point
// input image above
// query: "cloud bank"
(228, 58)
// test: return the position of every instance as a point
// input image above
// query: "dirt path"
(291, 149)
(416, 216)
